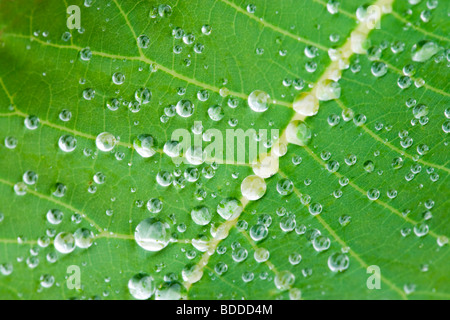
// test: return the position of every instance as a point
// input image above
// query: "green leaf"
(359, 198)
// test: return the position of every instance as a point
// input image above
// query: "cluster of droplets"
(63, 243)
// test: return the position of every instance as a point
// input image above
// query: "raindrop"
(64, 243)
(152, 234)
(141, 286)
(258, 101)
(145, 145)
(105, 141)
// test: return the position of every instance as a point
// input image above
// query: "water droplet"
(141, 286)
(328, 90)
(30, 177)
(143, 95)
(421, 229)
(373, 194)
(258, 232)
(55, 216)
(154, 205)
(64, 243)
(88, 94)
(285, 187)
(84, 238)
(215, 113)
(201, 215)
(258, 101)
(59, 190)
(143, 41)
(31, 122)
(164, 10)
(86, 54)
(152, 234)
(338, 262)
(99, 178)
(253, 187)
(185, 108)
(6, 269)
(321, 243)
(298, 133)
(105, 141)
(284, 280)
(118, 78)
(379, 69)
(424, 50)
(206, 29)
(261, 255)
(145, 145)
(315, 209)
(306, 104)
(20, 189)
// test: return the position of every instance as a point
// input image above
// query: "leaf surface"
(373, 213)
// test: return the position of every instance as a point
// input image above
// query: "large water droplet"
(328, 90)
(141, 286)
(338, 262)
(105, 141)
(64, 242)
(152, 234)
(258, 101)
(424, 50)
(201, 215)
(229, 208)
(84, 238)
(253, 187)
(67, 143)
(298, 133)
(284, 280)
(145, 145)
(307, 104)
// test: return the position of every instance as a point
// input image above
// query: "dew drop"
(84, 238)
(145, 145)
(201, 215)
(284, 280)
(424, 50)
(298, 133)
(105, 141)
(67, 143)
(118, 78)
(143, 41)
(328, 90)
(141, 286)
(152, 234)
(258, 101)
(64, 243)
(253, 187)
(338, 262)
